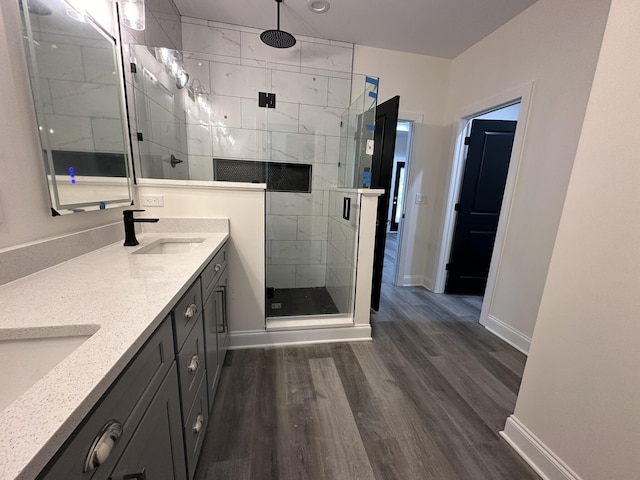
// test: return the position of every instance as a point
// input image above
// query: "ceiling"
(440, 28)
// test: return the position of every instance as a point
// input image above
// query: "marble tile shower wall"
(341, 249)
(163, 29)
(77, 85)
(312, 83)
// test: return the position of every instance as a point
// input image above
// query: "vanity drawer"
(120, 409)
(187, 313)
(213, 270)
(191, 366)
(195, 427)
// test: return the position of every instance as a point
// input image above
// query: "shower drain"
(276, 305)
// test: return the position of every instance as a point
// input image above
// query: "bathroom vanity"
(131, 394)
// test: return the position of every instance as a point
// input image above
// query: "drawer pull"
(217, 267)
(190, 311)
(103, 445)
(197, 426)
(136, 476)
(194, 364)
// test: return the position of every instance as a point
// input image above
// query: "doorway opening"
(478, 187)
(398, 200)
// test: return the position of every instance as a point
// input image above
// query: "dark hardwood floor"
(424, 400)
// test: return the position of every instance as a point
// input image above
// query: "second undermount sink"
(170, 246)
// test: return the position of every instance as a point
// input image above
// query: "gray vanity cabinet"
(94, 449)
(155, 450)
(216, 324)
(190, 357)
(223, 316)
(151, 423)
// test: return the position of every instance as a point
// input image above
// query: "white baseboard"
(546, 463)
(507, 333)
(264, 338)
(412, 281)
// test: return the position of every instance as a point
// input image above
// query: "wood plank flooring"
(424, 400)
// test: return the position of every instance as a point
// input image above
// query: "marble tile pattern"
(312, 83)
(80, 296)
(342, 237)
(78, 87)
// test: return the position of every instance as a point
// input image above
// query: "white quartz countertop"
(118, 298)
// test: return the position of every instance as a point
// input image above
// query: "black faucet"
(130, 239)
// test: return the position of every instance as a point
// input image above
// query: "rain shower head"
(278, 38)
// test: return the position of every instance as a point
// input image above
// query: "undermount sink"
(24, 361)
(170, 246)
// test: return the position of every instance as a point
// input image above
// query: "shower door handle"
(346, 208)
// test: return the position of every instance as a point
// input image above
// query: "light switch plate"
(421, 198)
(152, 200)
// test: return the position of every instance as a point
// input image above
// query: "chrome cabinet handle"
(194, 364)
(103, 445)
(197, 426)
(190, 311)
(217, 267)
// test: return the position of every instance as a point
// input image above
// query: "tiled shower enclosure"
(312, 82)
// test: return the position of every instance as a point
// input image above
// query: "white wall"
(24, 200)
(557, 49)
(421, 82)
(581, 389)
(245, 211)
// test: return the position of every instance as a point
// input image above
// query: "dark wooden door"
(397, 197)
(483, 182)
(381, 171)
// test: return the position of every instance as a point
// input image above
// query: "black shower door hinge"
(467, 140)
(134, 68)
(266, 100)
(140, 137)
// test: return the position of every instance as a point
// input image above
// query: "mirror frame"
(58, 208)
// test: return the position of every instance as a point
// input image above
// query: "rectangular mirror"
(76, 81)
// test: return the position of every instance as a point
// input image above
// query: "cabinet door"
(211, 310)
(156, 450)
(223, 317)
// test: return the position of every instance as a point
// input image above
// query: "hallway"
(424, 400)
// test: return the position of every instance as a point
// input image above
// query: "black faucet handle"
(128, 214)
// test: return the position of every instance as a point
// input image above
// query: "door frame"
(521, 94)
(414, 119)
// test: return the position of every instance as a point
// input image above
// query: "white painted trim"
(306, 322)
(523, 94)
(264, 338)
(206, 184)
(412, 281)
(506, 332)
(428, 284)
(414, 118)
(546, 463)
(370, 192)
